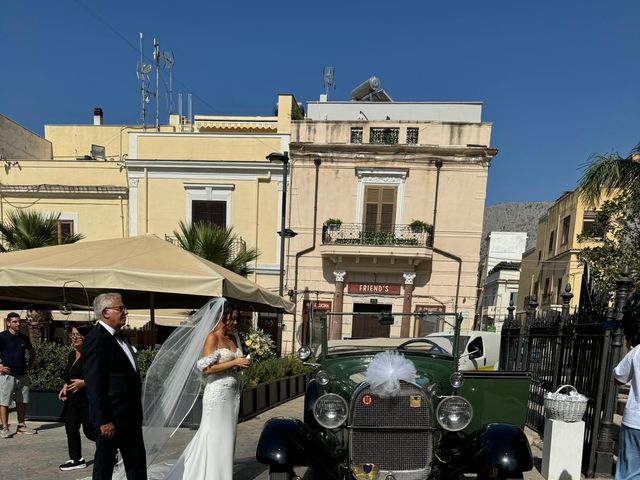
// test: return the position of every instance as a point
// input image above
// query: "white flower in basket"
(565, 407)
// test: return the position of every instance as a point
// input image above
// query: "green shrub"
(48, 370)
(145, 357)
(273, 369)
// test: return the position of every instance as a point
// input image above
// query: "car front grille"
(394, 433)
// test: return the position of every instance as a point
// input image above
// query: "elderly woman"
(77, 405)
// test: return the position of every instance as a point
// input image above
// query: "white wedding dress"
(209, 455)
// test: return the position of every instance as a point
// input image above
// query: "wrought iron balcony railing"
(361, 234)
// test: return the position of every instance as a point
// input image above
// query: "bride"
(172, 387)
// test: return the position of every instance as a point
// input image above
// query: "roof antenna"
(142, 71)
(328, 77)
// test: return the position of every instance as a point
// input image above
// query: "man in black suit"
(114, 391)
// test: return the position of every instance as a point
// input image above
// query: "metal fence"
(579, 350)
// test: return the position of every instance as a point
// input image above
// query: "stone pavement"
(37, 457)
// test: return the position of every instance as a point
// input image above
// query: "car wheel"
(280, 473)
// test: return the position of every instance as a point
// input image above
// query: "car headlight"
(456, 379)
(454, 413)
(322, 377)
(330, 410)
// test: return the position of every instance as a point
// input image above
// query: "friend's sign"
(374, 288)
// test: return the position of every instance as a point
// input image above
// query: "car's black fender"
(497, 450)
(313, 392)
(289, 442)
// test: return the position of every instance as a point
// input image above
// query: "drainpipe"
(264, 178)
(444, 253)
(438, 164)
(317, 162)
(146, 200)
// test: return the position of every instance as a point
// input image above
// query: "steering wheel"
(433, 344)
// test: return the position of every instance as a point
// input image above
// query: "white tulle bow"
(385, 372)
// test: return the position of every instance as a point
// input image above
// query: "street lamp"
(284, 158)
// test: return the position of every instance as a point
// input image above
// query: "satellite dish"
(168, 60)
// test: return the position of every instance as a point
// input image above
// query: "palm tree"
(610, 171)
(25, 229)
(216, 244)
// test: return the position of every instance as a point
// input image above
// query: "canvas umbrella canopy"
(149, 272)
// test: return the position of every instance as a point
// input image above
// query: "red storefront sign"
(374, 288)
(430, 308)
(322, 305)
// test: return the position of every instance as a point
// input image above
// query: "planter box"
(45, 406)
(248, 402)
(273, 391)
(262, 399)
(283, 389)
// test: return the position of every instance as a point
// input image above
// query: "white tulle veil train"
(172, 385)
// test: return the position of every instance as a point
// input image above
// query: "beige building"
(553, 263)
(116, 180)
(377, 167)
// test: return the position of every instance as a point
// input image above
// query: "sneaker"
(5, 433)
(73, 465)
(24, 430)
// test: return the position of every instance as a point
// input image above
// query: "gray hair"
(102, 301)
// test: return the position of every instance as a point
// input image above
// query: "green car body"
(401, 437)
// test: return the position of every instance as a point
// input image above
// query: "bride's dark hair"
(229, 308)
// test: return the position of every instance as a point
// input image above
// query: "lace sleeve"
(209, 360)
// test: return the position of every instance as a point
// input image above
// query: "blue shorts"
(628, 466)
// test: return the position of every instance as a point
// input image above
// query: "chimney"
(97, 116)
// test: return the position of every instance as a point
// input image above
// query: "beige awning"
(148, 271)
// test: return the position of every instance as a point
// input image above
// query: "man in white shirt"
(627, 371)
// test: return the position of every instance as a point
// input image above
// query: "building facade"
(387, 200)
(554, 263)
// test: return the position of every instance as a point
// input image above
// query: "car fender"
(498, 449)
(313, 392)
(283, 442)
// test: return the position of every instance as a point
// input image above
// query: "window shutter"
(209, 211)
(380, 209)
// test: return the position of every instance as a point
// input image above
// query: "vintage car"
(442, 424)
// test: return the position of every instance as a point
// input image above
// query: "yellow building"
(116, 180)
(378, 166)
(553, 263)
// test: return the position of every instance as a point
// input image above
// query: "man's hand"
(5, 370)
(108, 430)
(76, 384)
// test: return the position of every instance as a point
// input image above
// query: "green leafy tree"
(617, 231)
(26, 229)
(610, 171)
(216, 244)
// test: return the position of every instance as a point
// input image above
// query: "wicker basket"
(565, 410)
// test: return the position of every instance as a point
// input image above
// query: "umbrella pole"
(152, 317)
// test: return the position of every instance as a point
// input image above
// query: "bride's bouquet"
(258, 344)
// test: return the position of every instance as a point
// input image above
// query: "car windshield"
(438, 346)
(445, 341)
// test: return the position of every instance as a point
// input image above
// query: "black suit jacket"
(113, 385)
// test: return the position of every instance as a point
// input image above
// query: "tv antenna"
(167, 59)
(142, 71)
(156, 58)
(328, 77)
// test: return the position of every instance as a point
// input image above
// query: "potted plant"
(333, 224)
(418, 226)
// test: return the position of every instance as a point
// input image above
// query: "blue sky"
(560, 80)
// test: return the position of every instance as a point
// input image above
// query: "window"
(552, 239)
(547, 285)
(513, 298)
(536, 286)
(539, 254)
(356, 135)
(566, 225)
(65, 230)
(412, 136)
(589, 226)
(379, 208)
(384, 136)
(209, 211)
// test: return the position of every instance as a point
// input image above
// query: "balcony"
(358, 240)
